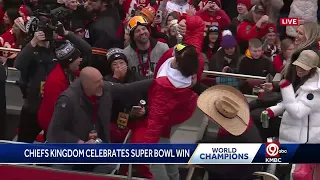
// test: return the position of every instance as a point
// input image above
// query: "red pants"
(138, 131)
(117, 135)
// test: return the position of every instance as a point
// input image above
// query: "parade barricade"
(13, 77)
(13, 172)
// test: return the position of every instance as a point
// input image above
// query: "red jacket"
(168, 106)
(194, 36)
(55, 84)
(220, 19)
(248, 30)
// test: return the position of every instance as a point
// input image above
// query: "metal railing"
(9, 49)
(238, 76)
(214, 73)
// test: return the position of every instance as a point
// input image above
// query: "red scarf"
(144, 66)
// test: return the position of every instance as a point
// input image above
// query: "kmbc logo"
(273, 152)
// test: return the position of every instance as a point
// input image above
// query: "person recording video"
(35, 62)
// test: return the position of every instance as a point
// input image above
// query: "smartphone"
(135, 109)
(159, 14)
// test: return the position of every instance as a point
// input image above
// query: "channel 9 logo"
(273, 152)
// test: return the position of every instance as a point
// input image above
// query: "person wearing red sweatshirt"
(212, 14)
(59, 79)
(253, 26)
(243, 8)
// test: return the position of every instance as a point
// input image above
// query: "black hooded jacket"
(118, 106)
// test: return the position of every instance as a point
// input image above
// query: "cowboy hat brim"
(235, 126)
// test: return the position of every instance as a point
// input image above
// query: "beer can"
(98, 140)
(142, 103)
(265, 119)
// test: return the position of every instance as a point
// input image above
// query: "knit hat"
(269, 28)
(149, 12)
(247, 3)
(227, 40)
(66, 51)
(20, 22)
(31, 25)
(115, 54)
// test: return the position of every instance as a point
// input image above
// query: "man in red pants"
(171, 99)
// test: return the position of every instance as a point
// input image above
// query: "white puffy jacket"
(301, 112)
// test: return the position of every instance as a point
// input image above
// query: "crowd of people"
(92, 70)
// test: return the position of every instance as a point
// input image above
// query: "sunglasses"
(135, 21)
(179, 48)
(213, 28)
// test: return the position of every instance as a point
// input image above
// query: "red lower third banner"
(14, 172)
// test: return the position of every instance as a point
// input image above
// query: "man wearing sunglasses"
(144, 52)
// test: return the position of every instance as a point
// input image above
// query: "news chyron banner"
(158, 153)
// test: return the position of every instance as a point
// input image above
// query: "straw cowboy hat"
(226, 106)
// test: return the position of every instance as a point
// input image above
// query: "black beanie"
(66, 52)
(115, 54)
